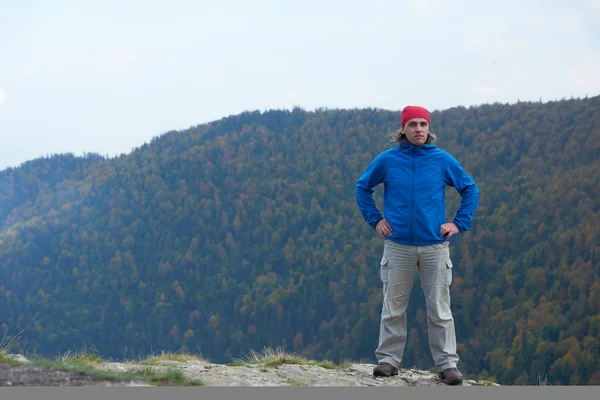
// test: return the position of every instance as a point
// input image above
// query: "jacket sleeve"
(456, 176)
(371, 177)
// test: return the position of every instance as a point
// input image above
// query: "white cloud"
(2, 96)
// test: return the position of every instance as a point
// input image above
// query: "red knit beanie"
(411, 112)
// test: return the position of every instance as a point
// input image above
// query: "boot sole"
(453, 382)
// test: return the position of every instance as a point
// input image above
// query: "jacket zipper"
(412, 231)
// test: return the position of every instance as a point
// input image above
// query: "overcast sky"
(108, 76)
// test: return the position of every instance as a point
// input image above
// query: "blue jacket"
(414, 179)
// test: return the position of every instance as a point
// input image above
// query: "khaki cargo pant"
(399, 267)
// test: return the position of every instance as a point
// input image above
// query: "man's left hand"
(448, 229)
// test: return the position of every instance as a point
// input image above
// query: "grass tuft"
(270, 357)
(275, 357)
(7, 360)
(168, 356)
(170, 377)
(327, 364)
(173, 378)
(87, 363)
(84, 358)
(345, 364)
(237, 363)
(7, 342)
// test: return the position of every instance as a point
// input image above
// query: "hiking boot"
(385, 369)
(451, 376)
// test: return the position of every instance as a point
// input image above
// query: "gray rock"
(17, 357)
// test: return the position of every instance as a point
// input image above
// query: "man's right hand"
(383, 228)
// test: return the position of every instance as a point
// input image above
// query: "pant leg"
(398, 271)
(435, 271)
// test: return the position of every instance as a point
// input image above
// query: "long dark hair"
(398, 137)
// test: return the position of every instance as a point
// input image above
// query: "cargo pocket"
(449, 272)
(383, 271)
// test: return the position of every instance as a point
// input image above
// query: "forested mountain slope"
(244, 233)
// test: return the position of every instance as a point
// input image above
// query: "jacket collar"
(407, 146)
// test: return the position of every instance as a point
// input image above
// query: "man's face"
(416, 131)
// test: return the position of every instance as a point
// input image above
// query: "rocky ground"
(45, 376)
(295, 375)
(210, 374)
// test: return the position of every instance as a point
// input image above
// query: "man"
(415, 174)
